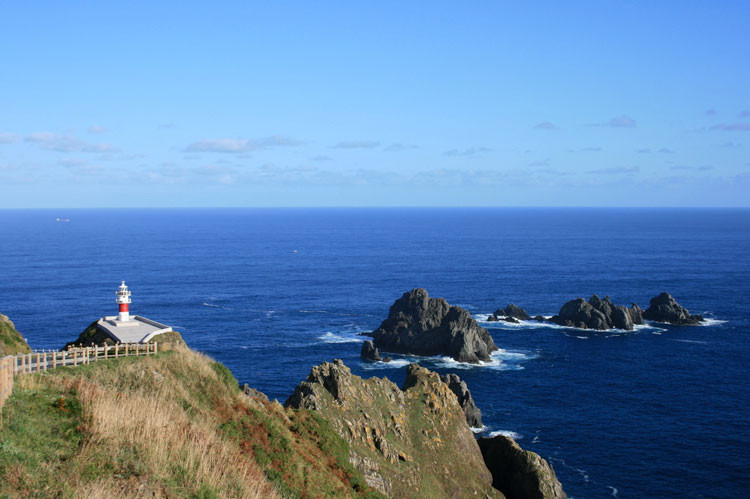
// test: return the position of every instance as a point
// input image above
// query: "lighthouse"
(123, 299)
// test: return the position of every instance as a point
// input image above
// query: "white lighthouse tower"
(123, 299)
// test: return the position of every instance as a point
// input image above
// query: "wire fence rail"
(43, 360)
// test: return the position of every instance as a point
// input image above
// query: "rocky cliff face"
(598, 314)
(664, 308)
(465, 400)
(517, 473)
(11, 341)
(420, 325)
(409, 442)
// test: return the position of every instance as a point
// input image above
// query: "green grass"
(41, 432)
(11, 341)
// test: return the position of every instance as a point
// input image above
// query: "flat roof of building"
(136, 330)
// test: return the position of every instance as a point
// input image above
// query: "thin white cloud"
(545, 125)
(66, 143)
(471, 151)
(398, 147)
(356, 144)
(732, 127)
(221, 145)
(98, 129)
(241, 145)
(615, 170)
(623, 121)
(8, 138)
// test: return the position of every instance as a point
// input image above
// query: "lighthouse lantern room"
(123, 300)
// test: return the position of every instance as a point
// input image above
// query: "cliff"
(408, 442)
(11, 341)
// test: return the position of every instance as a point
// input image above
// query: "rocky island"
(664, 308)
(597, 313)
(420, 325)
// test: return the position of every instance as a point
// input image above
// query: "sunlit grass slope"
(171, 425)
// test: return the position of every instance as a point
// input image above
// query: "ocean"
(661, 411)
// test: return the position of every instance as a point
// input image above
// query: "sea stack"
(420, 325)
(664, 308)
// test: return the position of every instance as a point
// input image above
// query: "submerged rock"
(598, 313)
(407, 442)
(518, 473)
(369, 352)
(420, 325)
(664, 308)
(465, 400)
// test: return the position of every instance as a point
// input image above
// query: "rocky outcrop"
(517, 473)
(465, 400)
(598, 313)
(11, 341)
(420, 325)
(369, 352)
(408, 442)
(512, 311)
(92, 335)
(664, 308)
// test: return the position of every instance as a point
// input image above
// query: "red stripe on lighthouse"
(124, 307)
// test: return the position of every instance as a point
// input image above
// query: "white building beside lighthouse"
(124, 328)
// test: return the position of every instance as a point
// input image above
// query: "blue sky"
(374, 104)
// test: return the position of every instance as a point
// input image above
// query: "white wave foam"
(500, 360)
(339, 338)
(614, 490)
(698, 342)
(393, 364)
(478, 430)
(214, 305)
(313, 312)
(707, 321)
(506, 433)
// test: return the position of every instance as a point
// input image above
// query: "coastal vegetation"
(11, 341)
(175, 424)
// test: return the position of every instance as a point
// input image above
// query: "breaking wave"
(340, 338)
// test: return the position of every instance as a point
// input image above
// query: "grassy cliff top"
(11, 341)
(174, 424)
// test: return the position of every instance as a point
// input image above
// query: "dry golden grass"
(152, 421)
(138, 438)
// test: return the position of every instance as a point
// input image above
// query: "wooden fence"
(42, 360)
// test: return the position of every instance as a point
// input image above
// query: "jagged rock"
(493, 318)
(664, 308)
(540, 318)
(420, 325)
(387, 359)
(598, 313)
(517, 473)
(253, 393)
(513, 311)
(465, 400)
(407, 442)
(369, 352)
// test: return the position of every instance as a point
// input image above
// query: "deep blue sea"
(659, 412)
